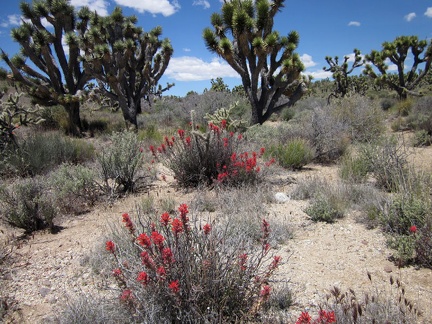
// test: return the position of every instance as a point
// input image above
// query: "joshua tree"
(265, 61)
(55, 74)
(341, 72)
(126, 61)
(397, 52)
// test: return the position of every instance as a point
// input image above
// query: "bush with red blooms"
(179, 270)
(208, 158)
(324, 317)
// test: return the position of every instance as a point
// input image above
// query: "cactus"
(226, 114)
(12, 116)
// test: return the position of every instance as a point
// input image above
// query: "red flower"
(126, 295)
(265, 227)
(152, 149)
(265, 292)
(144, 240)
(240, 136)
(157, 238)
(207, 229)
(326, 317)
(167, 255)
(188, 141)
(165, 219)
(110, 246)
(177, 226)
(183, 209)
(147, 261)
(143, 278)
(161, 272)
(413, 229)
(275, 262)
(304, 318)
(128, 223)
(243, 259)
(223, 123)
(181, 133)
(116, 272)
(262, 151)
(174, 286)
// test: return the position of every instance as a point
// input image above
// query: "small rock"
(388, 269)
(44, 291)
(281, 197)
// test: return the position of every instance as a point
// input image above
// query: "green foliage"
(74, 188)
(420, 118)
(187, 270)
(324, 209)
(39, 153)
(387, 161)
(295, 154)
(403, 107)
(25, 204)
(422, 138)
(218, 85)
(353, 168)
(121, 162)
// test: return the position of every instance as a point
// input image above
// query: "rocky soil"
(47, 270)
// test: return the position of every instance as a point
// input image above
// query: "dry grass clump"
(389, 306)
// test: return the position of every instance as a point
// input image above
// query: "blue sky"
(331, 27)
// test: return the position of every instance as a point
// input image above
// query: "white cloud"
(307, 60)
(12, 20)
(410, 16)
(354, 23)
(203, 3)
(100, 6)
(320, 74)
(428, 12)
(164, 7)
(188, 68)
(186, 49)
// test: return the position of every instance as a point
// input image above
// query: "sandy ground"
(48, 269)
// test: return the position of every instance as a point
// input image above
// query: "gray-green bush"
(121, 162)
(75, 188)
(25, 204)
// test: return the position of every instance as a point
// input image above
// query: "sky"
(326, 28)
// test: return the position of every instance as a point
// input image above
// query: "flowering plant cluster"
(187, 270)
(324, 317)
(209, 158)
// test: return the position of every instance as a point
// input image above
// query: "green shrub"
(324, 210)
(353, 168)
(387, 161)
(178, 269)
(40, 153)
(74, 188)
(150, 132)
(403, 107)
(387, 103)
(422, 138)
(295, 154)
(121, 162)
(420, 118)
(26, 205)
